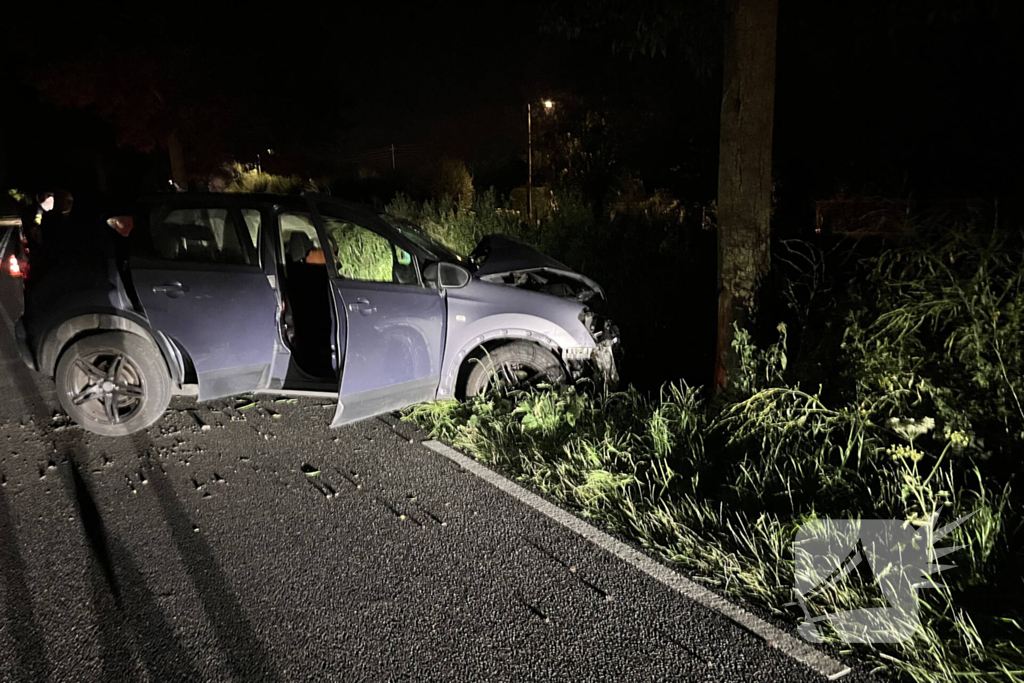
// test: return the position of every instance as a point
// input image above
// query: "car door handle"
(363, 306)
(171, 289)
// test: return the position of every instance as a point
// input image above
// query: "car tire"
(518, 364)
(113, 384)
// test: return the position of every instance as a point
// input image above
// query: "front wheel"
(517, 365)
(113, 384)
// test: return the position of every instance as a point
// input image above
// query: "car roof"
(293, 200)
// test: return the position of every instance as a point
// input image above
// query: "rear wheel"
(113, 383)
(517, 365)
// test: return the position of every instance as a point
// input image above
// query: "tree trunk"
(744, 167)
(177, 157)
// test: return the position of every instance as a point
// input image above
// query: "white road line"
(798, 650)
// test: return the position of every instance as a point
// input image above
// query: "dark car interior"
(307, 305)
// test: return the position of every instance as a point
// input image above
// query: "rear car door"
(195, 267)
(391, 328)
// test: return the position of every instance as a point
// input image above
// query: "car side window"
(361, 254)
(252, 218)
(299, 241)
(200, 235)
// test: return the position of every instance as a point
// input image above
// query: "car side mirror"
(452, 276)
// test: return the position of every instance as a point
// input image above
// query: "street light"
(548, 106)
(259, 165)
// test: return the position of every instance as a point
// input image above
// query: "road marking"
(798, 650)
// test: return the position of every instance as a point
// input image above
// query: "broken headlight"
(601, 328)
(604, 358)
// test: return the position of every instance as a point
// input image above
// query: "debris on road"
(199, 422)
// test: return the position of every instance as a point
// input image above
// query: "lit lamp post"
(259, 165)
(548, 106)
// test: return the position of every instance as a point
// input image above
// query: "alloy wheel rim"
(107, 387)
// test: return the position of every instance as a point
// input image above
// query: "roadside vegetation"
(900, 397)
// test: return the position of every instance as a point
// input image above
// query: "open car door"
(195, 269)
(390, 327)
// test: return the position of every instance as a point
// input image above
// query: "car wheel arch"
(477, 350)
(553, 334)
(74, 329)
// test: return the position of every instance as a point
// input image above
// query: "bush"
(451, 179)
(250, 180)
(460, 230)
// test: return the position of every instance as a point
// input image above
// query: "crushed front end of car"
(508, 261)
(606, 357)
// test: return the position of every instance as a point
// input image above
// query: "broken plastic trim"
(602, 359)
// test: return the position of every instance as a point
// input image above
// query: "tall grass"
(460, 224)
(921, 415)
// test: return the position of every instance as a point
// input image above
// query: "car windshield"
(418, 236)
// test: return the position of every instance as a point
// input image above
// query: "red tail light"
(13, 267)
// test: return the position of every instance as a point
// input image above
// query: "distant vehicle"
(220, 294)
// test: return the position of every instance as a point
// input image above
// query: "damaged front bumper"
(604, 362)
(601, 361)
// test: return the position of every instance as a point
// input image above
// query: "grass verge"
(668, 474)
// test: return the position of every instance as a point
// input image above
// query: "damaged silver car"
(216, 295)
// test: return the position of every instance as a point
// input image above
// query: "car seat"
(186, 242)
(299, 246)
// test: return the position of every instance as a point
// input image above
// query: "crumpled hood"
(504, 254)
(501, 256)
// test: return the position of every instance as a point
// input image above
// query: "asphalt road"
(192, 554)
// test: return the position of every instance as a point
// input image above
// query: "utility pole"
(529, 163)
(392, 156)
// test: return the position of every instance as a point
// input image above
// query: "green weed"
(923, 416)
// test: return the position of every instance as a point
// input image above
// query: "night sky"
(872, 97)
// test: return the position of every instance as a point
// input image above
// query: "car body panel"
(222, 315)
(483, 312)
(225, 319)
(80, 295)
(388, 336)
(393, 337)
